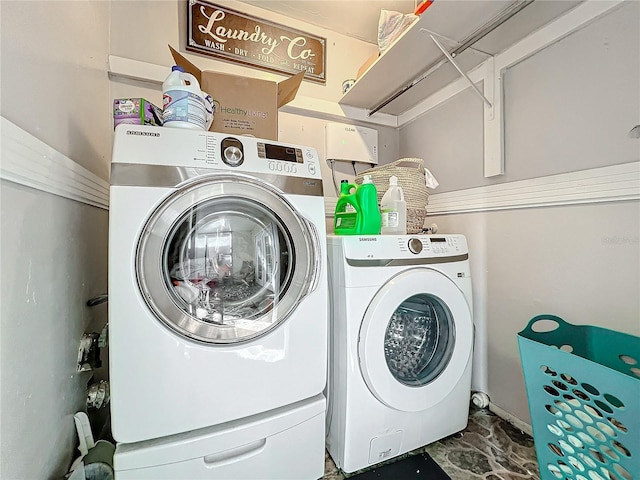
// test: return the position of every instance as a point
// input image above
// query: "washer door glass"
(419, 340)
(225, 259)
(416, 340)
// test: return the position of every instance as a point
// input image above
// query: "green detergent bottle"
(345, 221)
(357, 211)
(370, 219)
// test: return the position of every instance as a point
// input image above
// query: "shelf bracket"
(457, 67)
(493, 121)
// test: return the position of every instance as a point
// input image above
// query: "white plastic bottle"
(394, 210)
(183, 103)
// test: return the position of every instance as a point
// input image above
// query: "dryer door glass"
(419, 340)
(415, 340)
(225, 259)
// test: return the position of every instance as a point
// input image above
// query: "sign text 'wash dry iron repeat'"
(231, 35)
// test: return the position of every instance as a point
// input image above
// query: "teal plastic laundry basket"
(583, 388)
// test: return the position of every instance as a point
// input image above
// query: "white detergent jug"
(394, 210)
(183, 104)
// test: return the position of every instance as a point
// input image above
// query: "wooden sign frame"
(236, 37)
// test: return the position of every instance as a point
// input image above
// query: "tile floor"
(488, 449)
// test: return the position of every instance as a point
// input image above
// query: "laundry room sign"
(237, 37)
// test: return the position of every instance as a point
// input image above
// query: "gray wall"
(53, 260)
(548, 260)
(450, 140)
(571, 106)
(54, 251)
(567, 108)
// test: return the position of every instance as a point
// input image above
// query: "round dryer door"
(416, 340)
(225, 259)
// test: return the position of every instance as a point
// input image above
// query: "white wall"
(311, 131)
(54, 76)
(53, 250)
(569, 107)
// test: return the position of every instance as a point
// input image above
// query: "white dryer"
(401, 344)
(217, 280)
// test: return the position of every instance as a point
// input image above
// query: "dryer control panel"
(174, 147)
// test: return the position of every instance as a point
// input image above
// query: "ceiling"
(355, 18)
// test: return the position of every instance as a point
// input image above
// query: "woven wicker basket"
(410, 173)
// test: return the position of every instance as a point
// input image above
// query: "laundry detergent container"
(583, 388)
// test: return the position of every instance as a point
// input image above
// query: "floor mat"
(418, 467)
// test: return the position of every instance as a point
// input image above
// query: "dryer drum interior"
(419, 340)
(224, 264)
(415, 340)
(225, 260)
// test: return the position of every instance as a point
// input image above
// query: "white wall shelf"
(415, 75)
(415, 63)
(121, 67)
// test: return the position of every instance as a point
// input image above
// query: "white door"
(225, 259)
(415, 340)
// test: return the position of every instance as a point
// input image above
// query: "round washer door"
(225, 259)
(415, 340)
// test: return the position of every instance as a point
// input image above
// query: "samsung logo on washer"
(368, 239)
(143, 134)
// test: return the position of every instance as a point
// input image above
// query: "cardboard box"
(136, 111)
(367, 64)
(243, 105)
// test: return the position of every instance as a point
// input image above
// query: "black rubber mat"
(418, 467)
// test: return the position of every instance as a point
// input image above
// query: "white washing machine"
(401, 344)
(217, 283)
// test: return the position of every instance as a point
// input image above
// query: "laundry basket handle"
(410, 163)
(548, 329)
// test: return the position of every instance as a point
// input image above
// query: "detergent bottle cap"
(367, 179)
(177, 68)
(345, 187)
(393, 180)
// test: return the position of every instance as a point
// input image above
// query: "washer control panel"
(401, 247)
(438, 244)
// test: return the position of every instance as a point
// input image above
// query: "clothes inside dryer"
(419, 340)
(227, 261)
